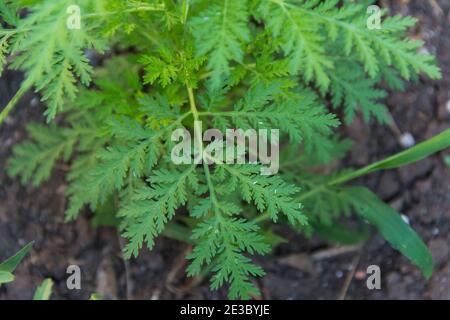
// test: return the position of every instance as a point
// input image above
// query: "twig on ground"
(349, 277)
(175, 270)
(334, 251)
(128, 281)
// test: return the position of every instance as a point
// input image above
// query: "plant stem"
(185, 11)
(23, 89)
(198, 135)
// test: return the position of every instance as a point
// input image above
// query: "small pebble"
(34, 102)
(407, 140)
(424, 51)
(435, 231)
(360, 275)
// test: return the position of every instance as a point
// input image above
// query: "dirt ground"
(317, 270)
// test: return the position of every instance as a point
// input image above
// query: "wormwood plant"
(283, 64)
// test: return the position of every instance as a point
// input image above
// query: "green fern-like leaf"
(224, 240)
(220, 31)
(150, 208)
(35, 160)
(51, 53)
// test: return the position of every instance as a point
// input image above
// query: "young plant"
(230, 64)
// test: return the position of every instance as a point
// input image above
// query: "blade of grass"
(390, 224)
(44, 291)
(12, 103)
(6, 277)
(11, 263)
(414, 154)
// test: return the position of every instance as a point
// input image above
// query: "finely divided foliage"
(229, 63)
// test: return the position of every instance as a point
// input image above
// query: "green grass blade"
(11, 263)
(44, 291)
(6, 277)
(96, 296)
(390, 224)
(414, 154)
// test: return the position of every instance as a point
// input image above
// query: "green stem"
(185, 11)
(5, 112)
(198, 135)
